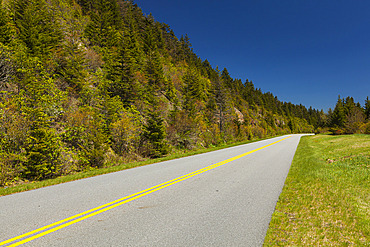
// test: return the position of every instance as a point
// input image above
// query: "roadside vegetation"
(326, 197)
(92, 84)
(30, 185)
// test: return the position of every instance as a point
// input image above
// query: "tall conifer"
(5, 31)
(36, 27)
(367, 108)
(338, 117)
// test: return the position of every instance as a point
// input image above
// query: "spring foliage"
(86, 84)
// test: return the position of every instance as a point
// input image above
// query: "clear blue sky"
(303, 51)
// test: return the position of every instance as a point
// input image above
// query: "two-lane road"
(221, 198)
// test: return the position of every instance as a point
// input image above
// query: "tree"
(228, 81)
(338, 117)
(131, 40)
(121, 73)
(186, 50)
(354, 119)
(154, 68)
(72, 68)
(36, 27)
(7, 68)
(43, 149)
(103, 28)
(154, 136)
(5, 29)
(43, 146)
(84, 133)
(349, 105)
(367, 108)
(195, 89)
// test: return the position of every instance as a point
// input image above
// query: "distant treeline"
(86, 84)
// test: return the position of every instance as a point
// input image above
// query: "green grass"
(326, 197)
(95, 172)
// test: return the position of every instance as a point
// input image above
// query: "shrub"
(11, 167)
(182, 130)
(84, 133)
(126, 134)
(43, 152)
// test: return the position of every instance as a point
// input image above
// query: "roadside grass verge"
(326, 197)
(100, 171)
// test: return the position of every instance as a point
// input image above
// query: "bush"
(182, 131)
(126, 134)
(337, 131)
(11, 167)
(84, 134)
(43, 152)
(258, 132)
(366, 128)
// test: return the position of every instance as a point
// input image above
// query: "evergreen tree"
(131, 40)
(121, 71)
(42, 149)
(195, 88)
(103, 29)
(338, 117)
(186, 50)
(36, 27)
(349, 105)
(226, 78)
(367, 108)
(73, 68)
(154, 136)
(154, 69)
(5, 30)
(42, 103)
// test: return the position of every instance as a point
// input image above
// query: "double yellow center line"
(40, 232)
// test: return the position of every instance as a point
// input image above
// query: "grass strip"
(326, 197)
(100, 171)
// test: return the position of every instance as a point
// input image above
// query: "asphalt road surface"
(221, 198)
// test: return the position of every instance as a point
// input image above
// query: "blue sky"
(303, 51)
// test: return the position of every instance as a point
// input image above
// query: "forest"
(86, 84)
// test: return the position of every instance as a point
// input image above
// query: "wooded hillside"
(87, 84)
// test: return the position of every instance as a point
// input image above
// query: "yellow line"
(108, 206)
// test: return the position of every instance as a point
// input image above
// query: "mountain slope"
(87, 84)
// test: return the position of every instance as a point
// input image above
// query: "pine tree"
(349, 105)
(186, 50)
(195, 90)
(42, 104)
(154, 69)
(42, 149)
(131, 40)
(367, 108)
(154, 136)
(228, 81)
(73, 68)
(105, 22)
(36, 27)
(121, 71)
(5, 30)
(338, 117)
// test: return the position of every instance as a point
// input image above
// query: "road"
(221, 198)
